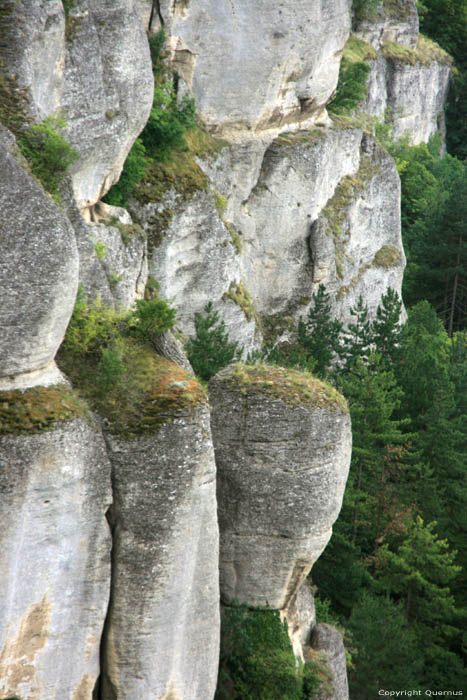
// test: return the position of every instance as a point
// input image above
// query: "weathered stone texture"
(301, 618)
(395, 21)
(38, 270)
(54, 561)
(411, 97)
(32, 52)
(281, 475)
(407, 92)
(328, 640)
(283, 73)
(195, 260)
(356, 242)
(108, 88)
(112, 256)
(163, 624)
(94, 67)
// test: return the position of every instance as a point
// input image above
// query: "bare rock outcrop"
(162, 632)
(282, 441)
(38, 274)
(301, 618)
(287, 71)
(92, 65)
(356, 243)
(328, 640)
(409, 77)
(54, 547)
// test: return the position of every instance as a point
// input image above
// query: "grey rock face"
(284, 73)
(112, 257)
(282, 465)
(196, 260)
(328, 640)
(391, 21)
(38, 271)
(301, 618)
(409, 79)
(107, 95)
(326, 175)
(356, 242)
(299, 174)
(412, 97)
(54, 561)
(162, 637)
(33, 50)
(93, 66)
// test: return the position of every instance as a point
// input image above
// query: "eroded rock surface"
(54, 561)
(38, 273)
(356, 243)
(93, 66)
(409, 78)
(301, 618)
(282, 443)
(287, 70)
(162, 637)
(328, 640)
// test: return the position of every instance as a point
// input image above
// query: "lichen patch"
(84, 689)
(17, 658)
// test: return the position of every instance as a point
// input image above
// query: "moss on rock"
(387, 256)
(243, 299)
(290, 386)
(38, 409)
(149, 391)
(426, 52)
(180, 172)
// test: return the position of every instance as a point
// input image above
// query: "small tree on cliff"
(210, 349)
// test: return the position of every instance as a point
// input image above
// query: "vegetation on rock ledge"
(38, 409)
(294, 387)
(109, 358)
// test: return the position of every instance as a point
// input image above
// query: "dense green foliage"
(257, 660)
(445, 21)
(351, 88)
(163, 135)
(389, 557)
(434, 211)
(364, 9)
(108, 355)
(210, 349)
(48, 152)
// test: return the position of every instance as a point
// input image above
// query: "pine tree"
(356, 340)
(318, 334)
(210, 349)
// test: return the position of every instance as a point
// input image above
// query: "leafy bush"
(92, 326)
(48, 153)
(364, 9)
(134, 169)
(151, 318)
(257, 660)
(105, 354)
(351, 87)
(210, 350)
(164, 132)
(168, 122)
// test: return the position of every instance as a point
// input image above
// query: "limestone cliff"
(110, 547)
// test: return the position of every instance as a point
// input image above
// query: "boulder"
(282, 441)
(244, 79)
